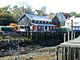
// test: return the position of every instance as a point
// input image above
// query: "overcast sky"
(52, 5)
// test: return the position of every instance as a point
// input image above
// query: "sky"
(52, 5)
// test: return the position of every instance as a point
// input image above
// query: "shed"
(60, 18)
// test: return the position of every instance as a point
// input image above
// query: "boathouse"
(32, 22)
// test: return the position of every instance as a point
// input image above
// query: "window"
(22, 27)
(45, 27)
(36, 21)
(40, 21)
(44, 22)
(50, 22)
(22, 19)
(33, 21)
(47, 22)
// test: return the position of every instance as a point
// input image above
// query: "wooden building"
(60, 18)
(31, 22)
(70, 50)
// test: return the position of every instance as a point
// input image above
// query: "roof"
(36, 17)
(72, 43)
(44, 24)
(60, 16)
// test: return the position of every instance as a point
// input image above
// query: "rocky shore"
(11, 45)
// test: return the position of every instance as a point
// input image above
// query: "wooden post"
(70, 53)
(62, 53)
(64, 50)
(42, 35)
(71, 29)
(56, 53)
(64, 37)
(74, 53)
(31, 35)
(68, 47)
(68, 35)
(79, 54)
(28, 35)
(74, 35)
(36, 35)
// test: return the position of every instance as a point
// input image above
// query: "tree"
(25, 7)
(51, 13)
(42, 11)
(5, 16)
(77, 15)
(67, 15)
(72, 13)
(18, 11)
(4, 10)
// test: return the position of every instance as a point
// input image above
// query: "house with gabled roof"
(60, 18)
(31, 22)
